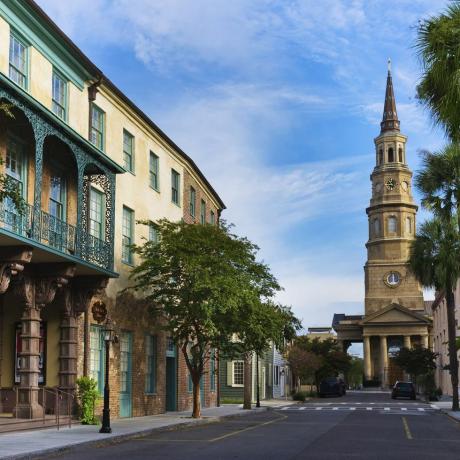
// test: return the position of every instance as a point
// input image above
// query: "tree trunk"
(247, 380)
(196, 397)
(453, 360)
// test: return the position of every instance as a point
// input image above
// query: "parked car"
(403, 390)
(331, 386)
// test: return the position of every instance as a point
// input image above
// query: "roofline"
(99, 75)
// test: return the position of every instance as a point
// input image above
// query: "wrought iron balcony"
(46, 229)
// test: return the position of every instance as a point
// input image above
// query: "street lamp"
(108, 338)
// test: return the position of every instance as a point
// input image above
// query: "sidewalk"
(30, 444)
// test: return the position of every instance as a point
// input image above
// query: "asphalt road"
(358, 426)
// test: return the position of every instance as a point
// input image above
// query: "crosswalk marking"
(352, 408)
(403, 408)
(395, 409)
(386, 408)
(421, 409)
(319, 408)
(369, 408)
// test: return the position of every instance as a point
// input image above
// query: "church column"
(384, 360)
(367, 358)
(425, 343)
(407, 343)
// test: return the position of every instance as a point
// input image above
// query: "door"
(282, 382)
(171, 376)
(126, 345)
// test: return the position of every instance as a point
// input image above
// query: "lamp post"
(108, 338)
(257, 381)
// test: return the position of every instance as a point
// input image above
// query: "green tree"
(435, 261)
(200, 279)
(355, 372)
(303, 364)
(438, 48)
(416, 361)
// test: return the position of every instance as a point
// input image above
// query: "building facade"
(394, 310)
(89, 164)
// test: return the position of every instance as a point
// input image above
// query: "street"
(357, 426)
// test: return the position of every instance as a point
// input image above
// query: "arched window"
(376, 227)
(380, 158)
(392, 224)
(400, 155)
(408, 225)
(391, 156)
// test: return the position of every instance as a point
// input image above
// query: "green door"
(171, 376)
(126, 354)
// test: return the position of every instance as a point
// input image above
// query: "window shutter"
(230, 373)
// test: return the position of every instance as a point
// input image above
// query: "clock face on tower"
(390, 184)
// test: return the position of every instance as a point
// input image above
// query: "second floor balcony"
(67, 185)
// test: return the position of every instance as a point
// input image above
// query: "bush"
(87, 396)
(299, 396)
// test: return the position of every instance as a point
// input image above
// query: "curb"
(127, 436)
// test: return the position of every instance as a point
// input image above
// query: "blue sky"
(278, 102)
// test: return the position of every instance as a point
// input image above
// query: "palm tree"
(435, 262)
(438, 49)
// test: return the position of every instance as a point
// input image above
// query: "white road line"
(352, 408)
(319, 408)
(386, 408)
(421, 409)
(335, 408)
(303, 408)
(403, 408)
(369, 408)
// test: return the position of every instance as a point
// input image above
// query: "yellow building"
(89, 164)
(394, 310)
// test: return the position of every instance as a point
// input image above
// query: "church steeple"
(390, 120)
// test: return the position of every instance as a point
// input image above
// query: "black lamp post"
(108, 338)
(257, 381)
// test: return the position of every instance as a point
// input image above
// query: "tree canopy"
(416, 361)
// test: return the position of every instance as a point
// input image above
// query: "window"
(391, 157)
(203, 212)
(380, 158)
(212, 218)
(96, 214)
(57, 198)
(376, 227)
(190, 383)
(96, 356)
(392, 224)
(150, 356)
(408, 225)
(18, 62)
(59, 96)
(128, 151)
(400, 155)
(127, 235)
(212, 371)
(276, 375)
(154, 164)
(96, 135)
(153, 234)
(192, 200)
(175, 187)
(238, 372)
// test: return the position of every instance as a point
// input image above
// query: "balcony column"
(367, 358)
(384, 360)
(40, 133)
(425, 341)
(407, 342)
(36, 288)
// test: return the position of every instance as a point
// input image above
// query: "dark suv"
(403, 390)
(331, 386)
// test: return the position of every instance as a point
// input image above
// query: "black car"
(403, 390)
(331, 387)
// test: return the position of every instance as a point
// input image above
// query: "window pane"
(97, 127)
(127, 237)
(192, 201)
(203, 212)
(96, 216)
(128, 151)
(18, 62)
(59, 96)
(238, 372)
(154, 167)
(96, 360)
(175, 186)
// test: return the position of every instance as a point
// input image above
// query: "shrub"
(299, 396)
(87, 396)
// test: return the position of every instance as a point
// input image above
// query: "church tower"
(392, 214)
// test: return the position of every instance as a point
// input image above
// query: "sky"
(278, 102)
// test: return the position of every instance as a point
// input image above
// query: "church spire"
(390, 120)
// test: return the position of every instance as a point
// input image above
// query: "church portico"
(394, 310)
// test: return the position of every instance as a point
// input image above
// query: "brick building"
(89, 163)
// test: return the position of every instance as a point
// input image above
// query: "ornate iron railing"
(44, 228)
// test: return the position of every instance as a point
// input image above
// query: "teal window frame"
(212, 217)
(128, 151)
(97, 355)
(151, 364)
(97, 132)
(203, 212)
(18, 75)
(192, 201)
(154, 171)
(127, 235)
(153, 234)
(175, 187)
(59, 107)
(96, 213)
